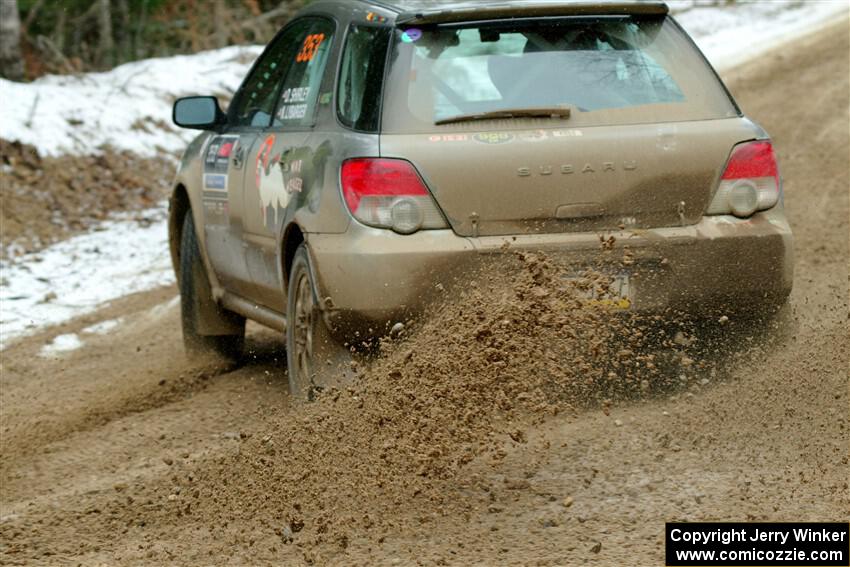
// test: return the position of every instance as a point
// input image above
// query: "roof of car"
(444, 11)
(413, 5)
(411, 12)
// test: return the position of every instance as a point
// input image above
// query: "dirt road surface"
(123, 453)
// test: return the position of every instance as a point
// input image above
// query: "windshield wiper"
(553, 112)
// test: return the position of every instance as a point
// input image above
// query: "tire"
(196, 301)
(314, 359)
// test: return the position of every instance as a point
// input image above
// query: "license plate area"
(603, 290)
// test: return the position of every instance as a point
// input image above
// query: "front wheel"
(314, 358)
(207, 327)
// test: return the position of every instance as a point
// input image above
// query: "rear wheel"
(315, 359)
(198, 309)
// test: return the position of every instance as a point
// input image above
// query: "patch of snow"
(128, 108)
(103, 327)
(162, 309)
(79, 275)
(61, 344)
(730, 34)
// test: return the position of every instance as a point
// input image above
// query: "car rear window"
(607, 70)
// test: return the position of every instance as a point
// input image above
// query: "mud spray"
(518, 344)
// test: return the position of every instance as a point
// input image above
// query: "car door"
(281, 158)
(225, 165)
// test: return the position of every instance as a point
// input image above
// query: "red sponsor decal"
(225, 149)
(263, 157)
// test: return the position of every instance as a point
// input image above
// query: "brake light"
(388, 193)
(750, 182)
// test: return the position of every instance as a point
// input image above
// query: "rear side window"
(361, 77)
(607, 70)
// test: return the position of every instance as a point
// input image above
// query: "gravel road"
(122, 453)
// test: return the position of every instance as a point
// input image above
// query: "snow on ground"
(83, 273)
(730, 35)
(128, 107)
(103, 327)
(61, 344)
(124, 107)
(67, 342)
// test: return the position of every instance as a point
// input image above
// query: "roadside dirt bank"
(46, 199)
(121, 453)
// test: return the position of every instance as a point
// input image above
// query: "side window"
(361, 77)
(299, 93)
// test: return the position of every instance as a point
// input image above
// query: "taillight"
(750, 182)
(388, 193)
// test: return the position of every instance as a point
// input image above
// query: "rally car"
(373, 147)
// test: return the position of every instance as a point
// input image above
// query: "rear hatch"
(558, 124)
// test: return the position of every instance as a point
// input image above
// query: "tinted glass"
(299, 93)
(361, 77)
(607, 70)
(256, 98)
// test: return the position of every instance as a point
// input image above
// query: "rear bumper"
(720, 265)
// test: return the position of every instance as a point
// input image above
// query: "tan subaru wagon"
(373, 147)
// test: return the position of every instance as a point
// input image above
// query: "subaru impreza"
(375, 147)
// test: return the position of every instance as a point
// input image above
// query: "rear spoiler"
(536, 8)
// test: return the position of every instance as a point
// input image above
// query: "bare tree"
(59, 30)
(142, 21)
(105, 50)
(11, 62)
(123, 34)
(220, 24)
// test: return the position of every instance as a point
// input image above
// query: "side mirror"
(198, 113)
